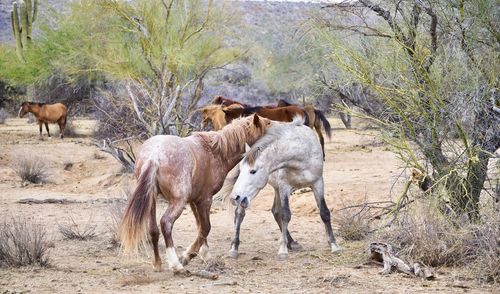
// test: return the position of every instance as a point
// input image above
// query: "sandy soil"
(358, 168)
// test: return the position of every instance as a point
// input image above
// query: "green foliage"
(431, 89)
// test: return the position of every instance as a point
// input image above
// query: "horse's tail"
(306, 118)
(326, 124)
(227, 187)
(135, 221)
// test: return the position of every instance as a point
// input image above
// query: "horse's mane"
(272, 134)
(34, 103)
(231, 138)
(283, 102)
(249, 110)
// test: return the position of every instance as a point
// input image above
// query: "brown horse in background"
(183, 170)
(214, 114)
(285, 114)
(316, 119)
(45, 114)
(226, 101)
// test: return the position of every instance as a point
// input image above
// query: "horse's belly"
(293, 178)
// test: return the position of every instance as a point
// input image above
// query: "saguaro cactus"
(22, 16)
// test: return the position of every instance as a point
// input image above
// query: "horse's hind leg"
(239, 215)
(47, 128)
(286, 215)
(191, 251)
(317, 128)
(200, 245)
(62, 126)
(292, 244)
(167, 221)
(324, 212)
(154, 232)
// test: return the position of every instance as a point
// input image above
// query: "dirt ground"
(358, 168)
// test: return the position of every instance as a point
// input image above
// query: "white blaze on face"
(20, 109)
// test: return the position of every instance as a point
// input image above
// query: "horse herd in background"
(284, 153)
(223, 110)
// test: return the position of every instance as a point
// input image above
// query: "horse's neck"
(276, 160)
(35, 109)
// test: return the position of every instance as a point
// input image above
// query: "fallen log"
(46, 201)
(383, 252)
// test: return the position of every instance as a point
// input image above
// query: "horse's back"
(54, 112)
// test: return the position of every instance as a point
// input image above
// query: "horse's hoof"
(233, 254)
(335, 248)
(295, 246)
(282, 256)
(176, 268)
(183, 260)
(157, 267)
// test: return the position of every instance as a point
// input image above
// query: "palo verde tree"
(160, 52)
(428, 74)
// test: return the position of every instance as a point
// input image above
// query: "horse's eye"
(253, 171)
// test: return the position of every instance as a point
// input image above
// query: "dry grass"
(116, 210)
(425, 235)
(353, 221)
(31, 169)
(23, 242)
(353, 225)
(74, 231)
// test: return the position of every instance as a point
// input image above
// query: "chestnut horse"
(214, 114)
(220, 100)
(45, 114)
(316, 119)
(284, 114)
(183, 170)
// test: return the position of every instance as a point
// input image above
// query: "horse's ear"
(247, 148)
(256, 120)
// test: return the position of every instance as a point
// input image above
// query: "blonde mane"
(232, 138)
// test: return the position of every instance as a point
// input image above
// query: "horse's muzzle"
(238, 200)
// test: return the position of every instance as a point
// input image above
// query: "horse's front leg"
(40, 125)
(324, 212)
(47, 128)
(239, 215)
(292, 244)
(199, 247)
(167, 221)
(286, 216)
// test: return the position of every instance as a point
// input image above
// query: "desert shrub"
(23, 242)
(425, 235)
(353, 224)
(31, 169)
(74, 231)
(3, 115)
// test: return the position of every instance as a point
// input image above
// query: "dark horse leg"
(199, 247)
(292, 244)
(62, 125)
(317, 128)
(239, 215)
(154, 232)
(40, 125)
(324, 212)
(286, 215)
(167, 221)
(47, 128)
